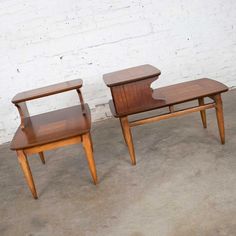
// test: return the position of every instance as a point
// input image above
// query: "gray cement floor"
(184, 183)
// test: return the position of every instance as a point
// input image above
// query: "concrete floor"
(184, 183)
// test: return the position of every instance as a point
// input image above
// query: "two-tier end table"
(50, 130)
(132, 93)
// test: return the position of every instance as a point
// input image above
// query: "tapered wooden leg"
(42, 157)
(27, 172)
(220, 117)
(203, 112)
(89, 154)
(128, 138)
(91, 141)
(123, 132)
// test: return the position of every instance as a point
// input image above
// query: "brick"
(45, 42)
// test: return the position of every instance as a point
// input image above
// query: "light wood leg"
(220, 117)
(123, 132)
(91, 141)
(89, 154)
(42, 157)
(203, 112)
(27, 172)
(128, 138)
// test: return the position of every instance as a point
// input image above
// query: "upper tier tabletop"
(48, 90)
(175, 94)
(130, 75)
(52, 126)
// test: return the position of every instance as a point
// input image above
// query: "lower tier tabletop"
(173, 94)
(52, 126)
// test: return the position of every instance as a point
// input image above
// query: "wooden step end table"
(50, 130)
(132, 93)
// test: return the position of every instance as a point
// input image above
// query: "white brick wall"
(44, 42)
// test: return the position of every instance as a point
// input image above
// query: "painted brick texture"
(45, 42)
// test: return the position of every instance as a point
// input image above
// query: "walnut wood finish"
(130, 89)
(169, 115)
(50, 130)
(42, 157)
(47, 91)
(140, 99)
(52, 126)
(20, 99)
(132, 93)
(23, 110)
(202, 112)
(220, 117)
(81, 101)
(133, 97)
(130, 75)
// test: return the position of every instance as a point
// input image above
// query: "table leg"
(42, 157)
(123, 132)
(89, 154)
(220, 117)
(128, 137)
(91, 141)
(203, 112)
(27, 172)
